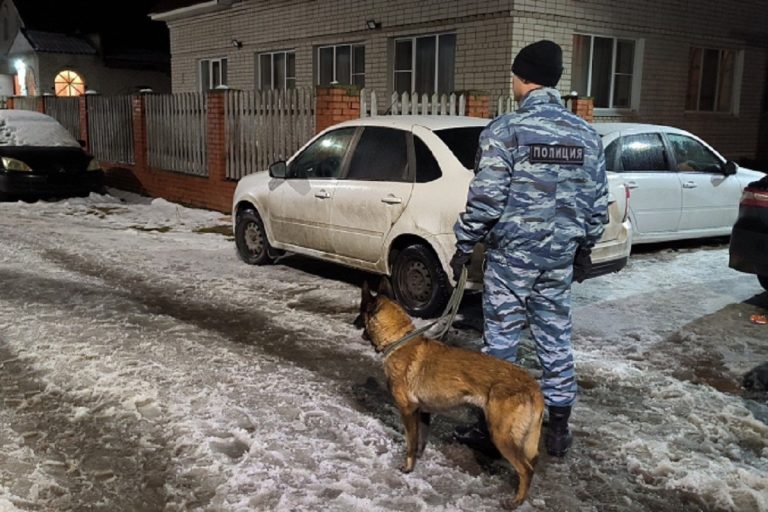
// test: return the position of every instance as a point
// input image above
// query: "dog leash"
(449, 313)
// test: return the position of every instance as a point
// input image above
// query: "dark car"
(749, 238)
(39, 158)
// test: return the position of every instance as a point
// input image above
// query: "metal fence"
(265, 126)
(177, 133)
(110, 128)
(66, 110)
(25, 103)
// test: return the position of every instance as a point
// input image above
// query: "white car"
(382, 194)
(680, 186)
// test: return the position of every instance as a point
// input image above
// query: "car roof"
(24, 116)
(604, 129)
(432, 122)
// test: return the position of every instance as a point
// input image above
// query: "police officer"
(538, 201)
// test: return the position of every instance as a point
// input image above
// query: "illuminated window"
(69, 83)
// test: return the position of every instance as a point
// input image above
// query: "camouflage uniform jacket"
(540, 188)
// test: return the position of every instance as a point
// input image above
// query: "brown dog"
(426, 376)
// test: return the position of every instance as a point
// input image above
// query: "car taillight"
(754, 197)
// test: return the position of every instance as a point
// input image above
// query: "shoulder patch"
(555, 154)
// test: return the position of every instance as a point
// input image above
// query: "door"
(710, 198)
(372, 195)
(300, 206)
(655, 195)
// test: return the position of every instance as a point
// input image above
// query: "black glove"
(582, 264)
(458, 262)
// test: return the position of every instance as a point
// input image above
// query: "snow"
(144, 367)
(27, 128)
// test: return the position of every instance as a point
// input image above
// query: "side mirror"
(730, 168)
(278, 169)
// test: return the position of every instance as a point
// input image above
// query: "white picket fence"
(372, 104)
(265, 126)
(177, 132)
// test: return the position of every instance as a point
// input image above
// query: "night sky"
(122, 24)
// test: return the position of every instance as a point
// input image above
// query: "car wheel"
(763, 281)
(419, 282)
(251, 239)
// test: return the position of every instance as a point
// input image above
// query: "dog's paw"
(404, 469)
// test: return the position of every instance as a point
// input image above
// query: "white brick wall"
(489, 33)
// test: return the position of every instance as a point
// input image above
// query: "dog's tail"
(514, 422)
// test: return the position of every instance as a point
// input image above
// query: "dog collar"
(392, 347)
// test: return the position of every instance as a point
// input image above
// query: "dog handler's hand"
(458, 262)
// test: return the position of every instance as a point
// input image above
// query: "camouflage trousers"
(515, 293)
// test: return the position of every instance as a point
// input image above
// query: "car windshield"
(22, 128)
(463, 142)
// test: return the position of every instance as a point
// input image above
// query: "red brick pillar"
(40, 104)
(139, 134)
(9, 104)
(584, 108)
(478, 105)
(217, 144)
(336, 104)
(83, 107)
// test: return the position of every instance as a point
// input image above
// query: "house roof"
(52, 42)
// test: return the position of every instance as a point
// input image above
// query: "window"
(427, 168)
(643, 152)
(324, 157)
(711, 79)
(213, 73)
(341, 64)
(68, 83)
(463, 143)
(277, 70)
(606, 69)
(381, 155)
(425, 64)
(691, 155)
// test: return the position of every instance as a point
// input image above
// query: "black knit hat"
(540, 63)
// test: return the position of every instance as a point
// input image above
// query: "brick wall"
(488, 35)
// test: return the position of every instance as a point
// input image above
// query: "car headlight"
(11, 164)
(93, 165)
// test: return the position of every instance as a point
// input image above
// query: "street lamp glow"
(21, 70)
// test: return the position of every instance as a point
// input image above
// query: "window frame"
(408, 175)
(223, 72)
(412, 69)
(637, 72)
(672, 156)
(286, 78)
(738, 73)
(352, 74)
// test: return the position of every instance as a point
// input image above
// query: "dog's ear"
(385, 287)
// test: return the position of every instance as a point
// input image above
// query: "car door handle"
(322, 194)
(689, 184)
(390, 199)
(631, 184)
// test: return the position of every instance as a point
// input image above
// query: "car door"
(373, 193)
(710, 199)
(300, 206)
(656, 198)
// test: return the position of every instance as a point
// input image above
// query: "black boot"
(558, 437)
(477, 438)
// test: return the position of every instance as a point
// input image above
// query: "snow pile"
(27, 128)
